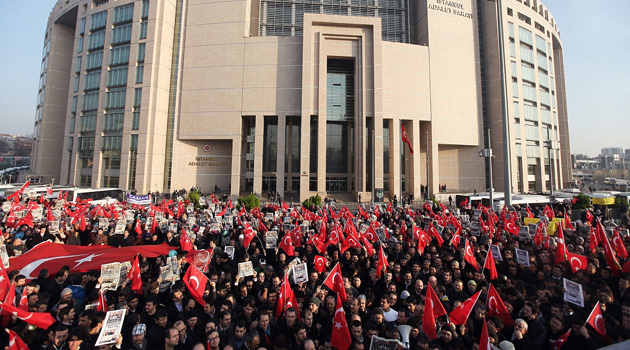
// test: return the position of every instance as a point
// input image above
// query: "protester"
(213, 275)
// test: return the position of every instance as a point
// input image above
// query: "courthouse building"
(300, 96)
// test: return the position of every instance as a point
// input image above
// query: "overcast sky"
(595, 38)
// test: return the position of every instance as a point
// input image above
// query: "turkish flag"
(135, 277)
(539, 237)
(261, 227)
(248, 234)
(370, 234)
(286, 299)
(9, 299)
(469, 256)
(611, 259)
(433, 232)
(561, 249)
(389, 208)
(319, 263)
(457, 237)
(484, 341)
(333, 238)
(350, 242)
(54, 256)
(433, 309)
(222, 212)
(49, 191)
(102, 302)
(557, 345)
(512, 228)
(296, 236)
(185, 242)
(596, 319)
(196, 282)
(322, 227)
(593, 242)
(567, 222)
(200, 258)
(138, 228)
(230, 205)
(496, 307)
(490, 265)
(23, 304)
(285, 206)
(4, 282)
(460, 314)
(368, 246)
(15, 342)
(340, 337)
(376, 212)
(382, 261)
(589, 216)
(578, 262)
(405, 137)
(529, 213)
(26, 220)
(334, 281)
(42, 320)
(286, 244)
(618, 245)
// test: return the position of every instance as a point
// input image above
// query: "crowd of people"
(241, 313)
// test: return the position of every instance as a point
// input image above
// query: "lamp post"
(506, 132)
(487, 152)
(428, 193)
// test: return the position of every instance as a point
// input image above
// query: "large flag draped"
(54, 256)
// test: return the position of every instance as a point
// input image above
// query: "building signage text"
(451, 7)
(205, 161)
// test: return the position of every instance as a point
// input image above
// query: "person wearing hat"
(138, 340)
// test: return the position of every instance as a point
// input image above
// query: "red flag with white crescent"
(382, 261)
(134, 276)
(469, 256)
(340, 337)
(185, 242)
(286, 244)
(496, 307)
(102, 302)
(334, 281)
(42, 320)
(15, 342)
(578, 262)
(484, 341)
(620, 248)
(459, 315)
(319, 263)
(596, 319)
(557, 345)
(490, 265)
(195, 282)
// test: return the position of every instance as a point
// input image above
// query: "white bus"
(97, 195)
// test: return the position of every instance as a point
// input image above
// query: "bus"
(105, 195)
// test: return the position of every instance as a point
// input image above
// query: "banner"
(140, 200)
(54, 256)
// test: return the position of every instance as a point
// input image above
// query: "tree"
(4, 146)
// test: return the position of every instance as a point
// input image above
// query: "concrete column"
(258, 153)
(321, 156)
(394, 151)
(415, 169)
(280, 146)
(305, 150)
(235, 175)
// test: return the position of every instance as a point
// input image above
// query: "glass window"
(513, 69)
(512, 49)
(135, 120)
(514, 88)
(123, 13)
(529, 92)
(544, 97)
(82, 26)
(527, 54)
(90, 101)
(531, 133)
(270, 139)
(92, 80)
(543, 79)
(111, 143)
(517, 130)
(96, 40)
(511, 29)
(76, 84)
(116, 98)
(145, 9)
(73, 107)
(133, 143)
(137, 97)
(528, 73)
(77, 68)
(121, 34)
(545, 115)
(525, 36)
(73, 120)
(541, 44)
(542, 61)
(139, 73)
(98, 20)
(86, 143)
(94, 60)
(516, 111)
(141, 51)
(70, 144)
(143, 30)
(88, 123)
(117, 76)
(531, 112)
(119, 55)
(114, 121)
(80, 44)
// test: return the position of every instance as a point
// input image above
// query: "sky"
(595, 39)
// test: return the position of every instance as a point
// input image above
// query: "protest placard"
(573, 292)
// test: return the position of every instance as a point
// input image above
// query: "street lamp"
(550, 147)
(487, 152)
(506, 132)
